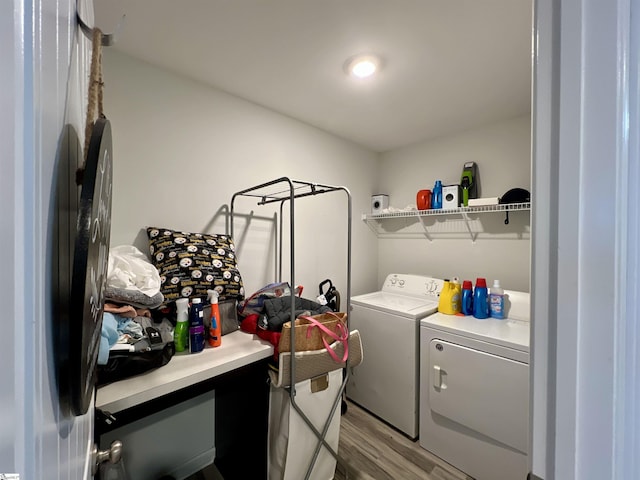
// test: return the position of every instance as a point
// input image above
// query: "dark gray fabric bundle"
(133, 297)
(163, 328)
(154, 350)
(277, 311)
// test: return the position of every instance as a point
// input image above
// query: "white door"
(585, 305)
(486, 393)
(43, 78)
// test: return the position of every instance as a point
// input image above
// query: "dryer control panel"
(413, 285)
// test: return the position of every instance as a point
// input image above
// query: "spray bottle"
(181, 332)
(215, 330)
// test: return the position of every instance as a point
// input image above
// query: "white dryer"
(474, 391)
(387, 381)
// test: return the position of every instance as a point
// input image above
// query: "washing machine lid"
(403, 305)
(509, 332)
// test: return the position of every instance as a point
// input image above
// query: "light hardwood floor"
(370, 449)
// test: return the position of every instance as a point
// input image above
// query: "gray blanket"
(133, 297)
(277, 311)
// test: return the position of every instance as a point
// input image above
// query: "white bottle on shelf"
(496, 300)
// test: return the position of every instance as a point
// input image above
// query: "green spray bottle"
(181, 332)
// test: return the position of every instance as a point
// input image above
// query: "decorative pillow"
(192, 263)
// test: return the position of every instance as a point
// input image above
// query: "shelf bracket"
(370, 223)
(424, 227)
(473, 236)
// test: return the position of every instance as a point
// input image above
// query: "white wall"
(43, 76)
(503, 154)
(181, 149)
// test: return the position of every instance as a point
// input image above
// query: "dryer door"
(483, 392)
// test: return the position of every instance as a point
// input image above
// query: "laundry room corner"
(444, 246)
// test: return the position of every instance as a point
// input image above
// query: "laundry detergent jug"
(457, 300)
(449, 302)
(481, 299)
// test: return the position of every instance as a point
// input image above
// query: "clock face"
(90, 262)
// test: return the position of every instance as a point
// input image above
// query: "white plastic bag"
(130, 269)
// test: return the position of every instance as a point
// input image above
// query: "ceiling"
(448, 65)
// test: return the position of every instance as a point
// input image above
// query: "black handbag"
(154, 350)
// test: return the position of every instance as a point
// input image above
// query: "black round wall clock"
(90, 262)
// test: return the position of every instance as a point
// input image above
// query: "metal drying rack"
(283, 190)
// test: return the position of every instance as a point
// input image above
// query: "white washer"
(474, 391)
(387, 382)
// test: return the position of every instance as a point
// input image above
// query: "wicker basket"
(307, 336)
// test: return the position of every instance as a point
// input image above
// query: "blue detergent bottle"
(436, 195)
(467, 298)
(481, 299)
(196, 326)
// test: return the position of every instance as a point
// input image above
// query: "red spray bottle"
(215, 330)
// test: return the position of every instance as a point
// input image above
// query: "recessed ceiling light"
(362, 66)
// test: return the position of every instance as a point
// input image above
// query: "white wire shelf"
(511, 207)
(374, 221)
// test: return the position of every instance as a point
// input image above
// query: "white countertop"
(237, 350)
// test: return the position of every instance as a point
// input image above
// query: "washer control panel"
(414, 285)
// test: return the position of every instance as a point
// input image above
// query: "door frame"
(585, 222)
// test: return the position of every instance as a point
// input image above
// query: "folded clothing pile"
(264, 312)
(132, 340)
